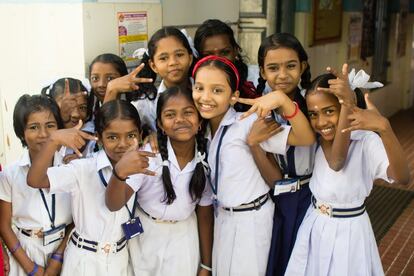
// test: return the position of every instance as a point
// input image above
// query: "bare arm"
(10, 238)
(371, 119)
(205, 221)
(132, 162)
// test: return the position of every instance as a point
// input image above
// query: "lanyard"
(131, 214)
(215, 186)
(53, 215)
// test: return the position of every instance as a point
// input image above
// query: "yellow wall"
(397, 94)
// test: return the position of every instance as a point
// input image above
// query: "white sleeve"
(63, 179)
(376, 157)
(207, 196)
(135, 181)
(278, 142)
(5, 188)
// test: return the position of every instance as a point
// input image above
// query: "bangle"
(57, 257)
(205, 267)
(117, 176)
(14, 249)
(288, 117)
(34, 271)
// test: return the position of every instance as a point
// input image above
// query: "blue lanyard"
(215, 186)
(131, 214)
(51, 216)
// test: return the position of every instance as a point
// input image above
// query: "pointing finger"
(67, 90)
(246, 101)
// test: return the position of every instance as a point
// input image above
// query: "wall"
(397, 94)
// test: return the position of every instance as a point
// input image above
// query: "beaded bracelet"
(34, 271)
(14, 249)
(288, 117)
(205, 267)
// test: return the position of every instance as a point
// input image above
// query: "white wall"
(39, 41)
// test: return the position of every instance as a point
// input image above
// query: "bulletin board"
(327, 21)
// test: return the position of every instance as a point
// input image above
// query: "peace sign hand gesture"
(127, 83)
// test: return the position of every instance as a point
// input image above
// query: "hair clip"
(140, 52)
(200, 158)
(361, 80)
(190, 41)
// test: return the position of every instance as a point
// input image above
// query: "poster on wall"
(355, 36)
(132, 34)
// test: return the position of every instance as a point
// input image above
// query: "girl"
(284, 66)
(215, 37)
(39, 217)
(244, 214)
(336, 236)
(97, 245)
(170, 244)
(71, 97)
(169, 56)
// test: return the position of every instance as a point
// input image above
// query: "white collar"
(102, 160)
(24, 160)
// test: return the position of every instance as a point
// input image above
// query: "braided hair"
(198, 179)
(283, 40)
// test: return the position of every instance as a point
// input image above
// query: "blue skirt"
(290, 209)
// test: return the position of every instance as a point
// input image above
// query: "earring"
(199, 128)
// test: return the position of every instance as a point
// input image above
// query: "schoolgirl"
(33, 221)
(98, 244)
(71, 95)
(336, 236)
(170, 56)
(284, 66)
(242, 228)
(215, 37)
(168, 201)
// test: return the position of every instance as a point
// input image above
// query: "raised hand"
(72, 138)
(134, 161)
(340, 87)
(263, 105)
(67, 102)
(367, 119)
(127, 83)
(263, 129)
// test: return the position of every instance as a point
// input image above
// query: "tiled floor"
(397, 246)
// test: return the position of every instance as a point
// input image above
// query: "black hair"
(119, 65)
(230, 74)
(213, 27)
(27, 105)
(149, 89)
(283, 40)
(322, 81)
(198, 180)
(116, 109)
(57, 89)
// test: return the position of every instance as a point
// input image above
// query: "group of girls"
(276, 190)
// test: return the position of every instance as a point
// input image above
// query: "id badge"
(132, 228)
(285, 181)
(285, 186)
(54, 234)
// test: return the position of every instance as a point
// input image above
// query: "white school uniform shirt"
(151, 192)
(29, 211)
(93, 220)
(342, 246)
(240, 180)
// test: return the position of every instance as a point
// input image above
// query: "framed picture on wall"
(327, 21)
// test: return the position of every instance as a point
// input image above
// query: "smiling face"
(171, 61)
(323, 112)
(118, 136)
(179, 119)
(38, 128)
(212, 93)
(101, 74)
(282, 70)
(219, 45)
(73, 108)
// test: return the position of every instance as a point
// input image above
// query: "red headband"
(222, 59)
